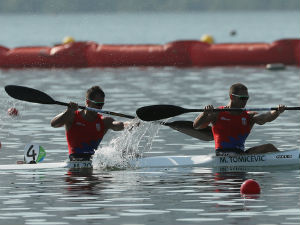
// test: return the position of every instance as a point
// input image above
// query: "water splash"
(126, 145)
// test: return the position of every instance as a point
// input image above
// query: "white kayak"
(268, 159)
(282, 158)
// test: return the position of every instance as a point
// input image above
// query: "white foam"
(126, 145)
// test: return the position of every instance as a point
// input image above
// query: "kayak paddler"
(85, 129)
(231, 129)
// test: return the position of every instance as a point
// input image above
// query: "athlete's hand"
(208, 110)
(72, 107)
(281, 108)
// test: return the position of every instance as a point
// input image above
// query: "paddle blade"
(28, 94)
(187, 128)
(158, 112)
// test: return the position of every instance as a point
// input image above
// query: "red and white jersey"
(84, 136)
(231, 131)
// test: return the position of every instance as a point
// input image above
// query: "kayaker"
(231, 129)
(85, 129)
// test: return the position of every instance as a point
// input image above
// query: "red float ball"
(250, 187)
(12, 112)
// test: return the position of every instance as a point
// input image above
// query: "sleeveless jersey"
(84, 136)
(231, 131)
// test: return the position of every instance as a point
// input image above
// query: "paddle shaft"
(185, 127)
(96, 110)
(240, 109)
(107, 112)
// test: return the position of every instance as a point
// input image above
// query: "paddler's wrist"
(275, 113)
(279, 110)
(69, 111)
(206, 116)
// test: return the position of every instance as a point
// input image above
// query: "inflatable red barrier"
(178, 53)
(68, 55)
(25, 57)
(126, 55)
(297, 52)
(283, 51)
(171, 54)
(3, 51)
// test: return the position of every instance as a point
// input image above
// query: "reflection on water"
(147, 196)
(83, 180)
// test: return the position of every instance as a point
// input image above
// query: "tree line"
(94, 6)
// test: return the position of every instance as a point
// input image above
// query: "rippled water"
(185, 196)
(148, 196)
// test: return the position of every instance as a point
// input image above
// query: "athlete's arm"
(269, 116)
(110, 123)
(65, 118)
(205, 118)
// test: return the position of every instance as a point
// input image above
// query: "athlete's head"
(238, 88)
(95, 97)
(238, 94)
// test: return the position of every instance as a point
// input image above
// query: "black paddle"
(32, 95)
(158, 112)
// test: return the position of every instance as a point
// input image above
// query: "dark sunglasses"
(241, 97)
(100, 104)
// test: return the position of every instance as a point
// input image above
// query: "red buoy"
(250, 187)
(12, 112)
